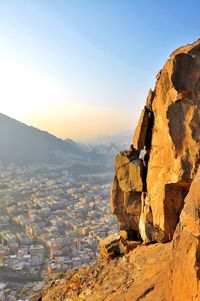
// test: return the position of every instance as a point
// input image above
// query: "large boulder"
(127, 188)
(110, 246)
(115, 245)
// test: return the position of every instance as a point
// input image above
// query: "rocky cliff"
(148, 193)
(155, 196)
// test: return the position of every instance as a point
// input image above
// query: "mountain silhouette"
(22, 144)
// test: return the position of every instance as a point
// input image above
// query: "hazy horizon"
(78, 139)
(82, 139)
(80, 69)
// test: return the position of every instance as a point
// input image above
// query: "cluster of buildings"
(49, 222)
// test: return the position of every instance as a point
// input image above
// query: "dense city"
(50, 221)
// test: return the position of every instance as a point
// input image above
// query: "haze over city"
(79, 69)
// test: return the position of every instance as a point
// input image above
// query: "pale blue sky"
(80, 68)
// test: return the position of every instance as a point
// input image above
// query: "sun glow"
(34, 98)
(24, 91)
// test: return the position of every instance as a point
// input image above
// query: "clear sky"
(81, 68)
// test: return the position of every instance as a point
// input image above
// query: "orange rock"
(174, 154)
(184, 267)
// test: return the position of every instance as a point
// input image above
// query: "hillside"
(22, 144)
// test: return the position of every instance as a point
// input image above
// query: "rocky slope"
(116, 280)
(154, 200)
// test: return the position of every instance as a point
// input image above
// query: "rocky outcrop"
(168, 134)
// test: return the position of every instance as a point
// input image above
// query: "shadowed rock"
(127, 188)
(140, 135)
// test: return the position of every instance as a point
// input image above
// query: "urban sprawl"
(50, 222)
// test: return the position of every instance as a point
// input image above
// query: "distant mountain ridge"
(22, 144)
(121, 138)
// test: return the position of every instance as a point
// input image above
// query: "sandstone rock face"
(175, 145)
(184, 268)
(168, 132)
